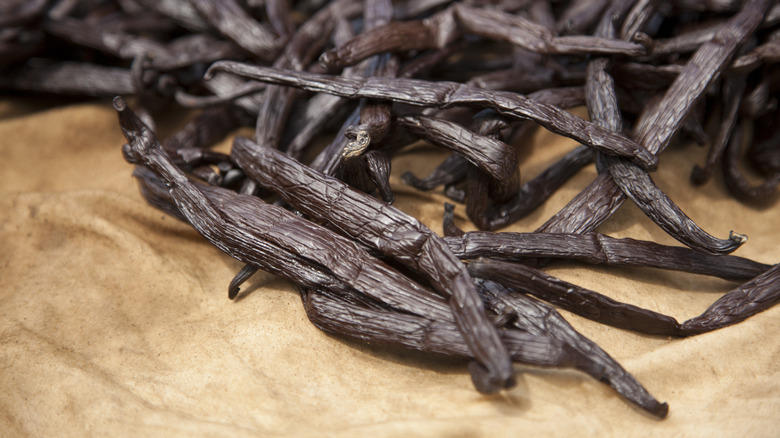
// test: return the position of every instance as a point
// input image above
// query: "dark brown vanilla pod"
(434, 32)
(737, 305)
(449, 171)
(334, 314)
(368, 172)
(391, 232)
(638, 186)
(635, 182)
(230, 19)
(733, 90)
(375, 116)
(537, 318)
(490, 155)
(537, 38)
(657, 125)
(743, 189)
(70, 78)
(601, 249)
(579, 15)
(550, 342)
(298, 53)
(252, 231)
(576, 299)
(446, 94)
(536, 191)
(199, 211)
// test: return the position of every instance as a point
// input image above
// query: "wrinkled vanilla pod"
(244, 226)
(543, 338)
(576, 299)
(445, 94)
(733, 89)
(737, 305)
(490, 155)
(601, 249)
(654, 130)
(447, 26)
(393, 233)
(536, 191)
(537, 318)
(230, 19)
(634, 181)
(735, 179)
(450, 171)
(656, 126)
(70, 78)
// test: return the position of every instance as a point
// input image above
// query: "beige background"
(114, 318)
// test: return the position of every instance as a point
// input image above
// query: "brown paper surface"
(115, 318)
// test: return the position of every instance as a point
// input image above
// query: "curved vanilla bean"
(550, 342)
(192, 101)
(735, 179)
(243, 275)
(537, 190)
(445, 27)
(446, 94)
(601, 249)
(490, 155)
(737, 305)
(576, 299)
(392, 232)
(638, 186)
(733, 90)
(636, 183)
(449, 171)
(434, 32)
(537, 318)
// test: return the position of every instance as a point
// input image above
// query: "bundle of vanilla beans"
(473, 77)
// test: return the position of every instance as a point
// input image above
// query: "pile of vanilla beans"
(473, 77)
